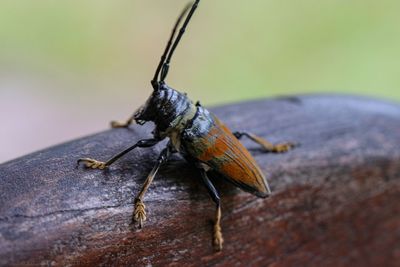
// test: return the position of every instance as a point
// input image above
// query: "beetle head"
(155, 109)
(148, 111)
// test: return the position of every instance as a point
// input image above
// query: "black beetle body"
(195, 133)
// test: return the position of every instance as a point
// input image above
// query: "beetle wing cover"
(224, 153)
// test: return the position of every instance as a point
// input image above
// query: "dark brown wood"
(335, 202)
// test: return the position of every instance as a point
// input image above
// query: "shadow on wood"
(335, 198)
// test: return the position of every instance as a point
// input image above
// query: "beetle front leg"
(139, 214)
(96, 164)
(217, 239)
(268, 146)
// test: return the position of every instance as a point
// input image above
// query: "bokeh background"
(69, 67)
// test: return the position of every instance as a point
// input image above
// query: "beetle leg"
(95, 164)
(139, 214)
(217, 240)
(125, 124)
(268, 146)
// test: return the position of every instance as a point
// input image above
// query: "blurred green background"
(69, 67)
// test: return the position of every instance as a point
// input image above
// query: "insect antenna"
(163, 66)
(167, 48)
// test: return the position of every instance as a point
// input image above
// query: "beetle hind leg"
(268, 146)
(217, 235)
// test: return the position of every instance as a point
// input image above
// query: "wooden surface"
(335, 202)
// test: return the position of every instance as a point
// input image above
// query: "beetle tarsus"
(92, 163)
(281, 147)
(139, 215)
(118, 124)
(218, 240)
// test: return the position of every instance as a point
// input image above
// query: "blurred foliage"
(233, 50)
(82, 63)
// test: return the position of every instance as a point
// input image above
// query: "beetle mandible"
(197, 134)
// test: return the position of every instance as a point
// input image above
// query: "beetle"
(194, 132)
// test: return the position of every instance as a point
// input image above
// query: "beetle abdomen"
(209, 141)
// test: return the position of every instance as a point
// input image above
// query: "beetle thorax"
(170, 110)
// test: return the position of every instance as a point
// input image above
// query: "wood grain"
(335, 198)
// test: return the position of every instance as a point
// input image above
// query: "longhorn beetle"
(195, 133)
